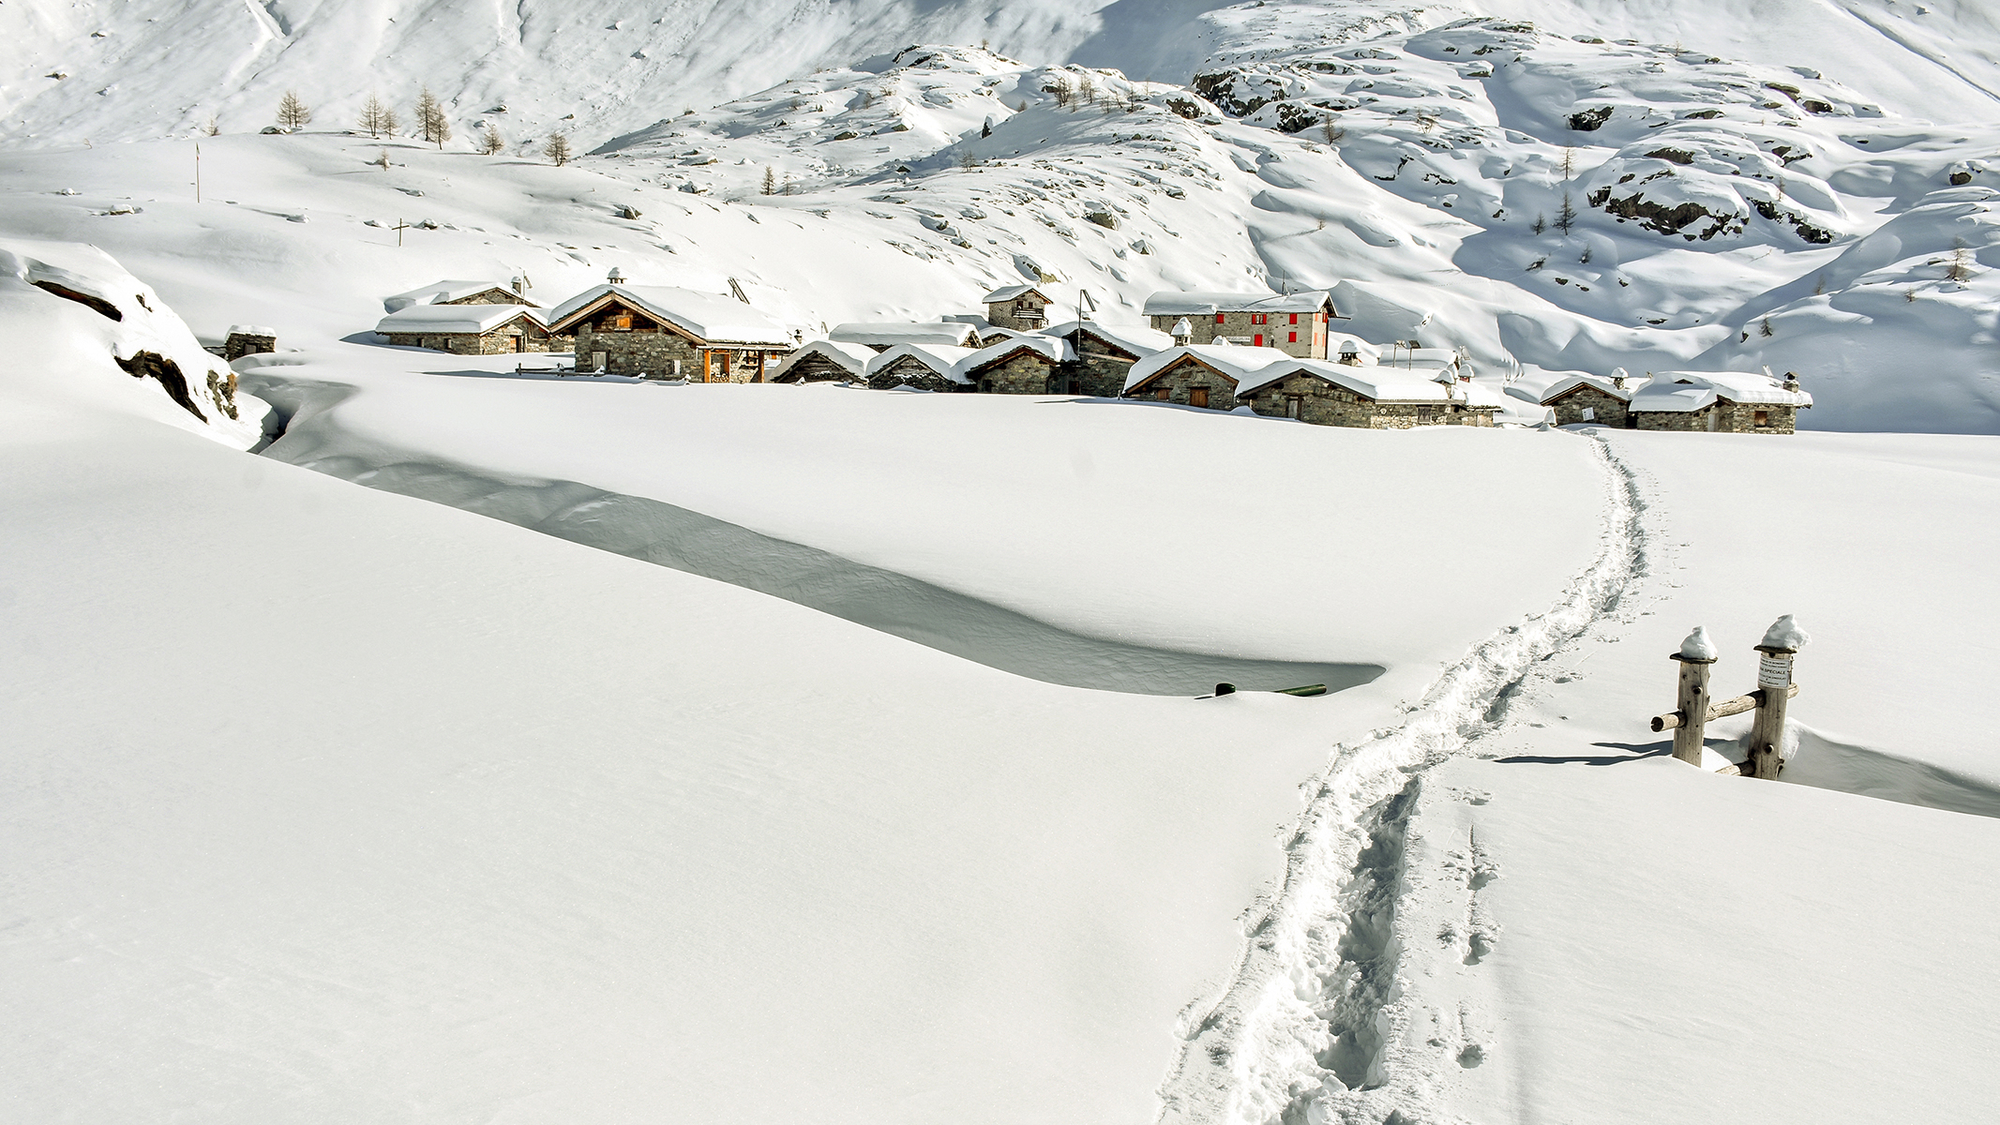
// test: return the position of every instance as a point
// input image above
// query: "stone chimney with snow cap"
(1792, 381)
(1618, 377)
(615, 277)
(1183, 332)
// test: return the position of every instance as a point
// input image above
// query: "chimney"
(520, 286)
(1183, 331)
(1792, 381)
(1618, 377)
(615, 277)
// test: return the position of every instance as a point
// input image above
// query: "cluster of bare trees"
(379, 119)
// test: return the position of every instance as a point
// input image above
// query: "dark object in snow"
(153, 365)
(1309, 689)
(1225, 689)
(98, 305)
(1590, 120)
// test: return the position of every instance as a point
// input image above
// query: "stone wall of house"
(909, 371)
(639, 351)
(241, 344)
(500, 341)
(1311, 343)
(1321, 403)
(1177, 384)
(1741, 418)
(817, 368)
(1101, 371)
(1022, 313)
(1605, 409)
(1688, 421)
(1030, 373)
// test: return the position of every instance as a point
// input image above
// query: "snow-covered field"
(493, 746)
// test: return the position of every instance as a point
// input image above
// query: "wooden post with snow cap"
(1696, 655)
(1774, 683)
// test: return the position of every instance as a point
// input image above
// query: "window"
(1198, 396)
(1423, 415)
(1763, 417)
(621, 322)
(1259, 318)
(1218, 318)
(1293, 337)
(1162, 394)
(1295, 318)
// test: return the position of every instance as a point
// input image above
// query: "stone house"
(467, 329)
(462, 293)
(1024, 365)
(923, 367)
(661, 332)
(1205, 375)
(1726, 402)
(883, 336)
(1104, 356)
(1369, 397)
(1293, 323)
(1593, 400)
(825, 361)
(1019, 307)
(248, 339)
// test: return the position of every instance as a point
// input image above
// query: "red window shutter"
(1260, 339)
(1218, 318)
(1295, 318)
(1294, 337)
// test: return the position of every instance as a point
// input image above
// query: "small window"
(1763, 417)
(1293, 337)
(1198, 396)
(1162, 394)
(1218, 318)
(1259, 318)
(1423, 414)
(1295, 318)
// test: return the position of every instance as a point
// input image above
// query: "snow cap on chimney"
(615, 277)
(1183, 331)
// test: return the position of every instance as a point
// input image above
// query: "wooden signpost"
(1775, 689)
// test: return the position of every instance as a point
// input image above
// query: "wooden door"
(1198, 396)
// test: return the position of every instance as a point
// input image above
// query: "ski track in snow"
(1297, 1033)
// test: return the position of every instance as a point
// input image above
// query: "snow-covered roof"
(1175, 303)
(443, 319)
(1010, 292)
(438, 292)
(853, 357)
(886, 333)
(1682, 392)
(1381, 384)
(1137, 340)
(709, 317)
(251, 330)
(1049, 347)
(1609, 386)
(945, 359)
(1237, 363)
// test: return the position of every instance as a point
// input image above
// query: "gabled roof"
(1048, 348)
(475, 320)
(1195, 303)
(1232, 362)
(886, 333)
(853, 357)
(438, 292)
(941, 358)
(1570, 383)
(1379, 384)
(1132, 340)
(707, 317)
(1683, 392)
(1011, 292)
